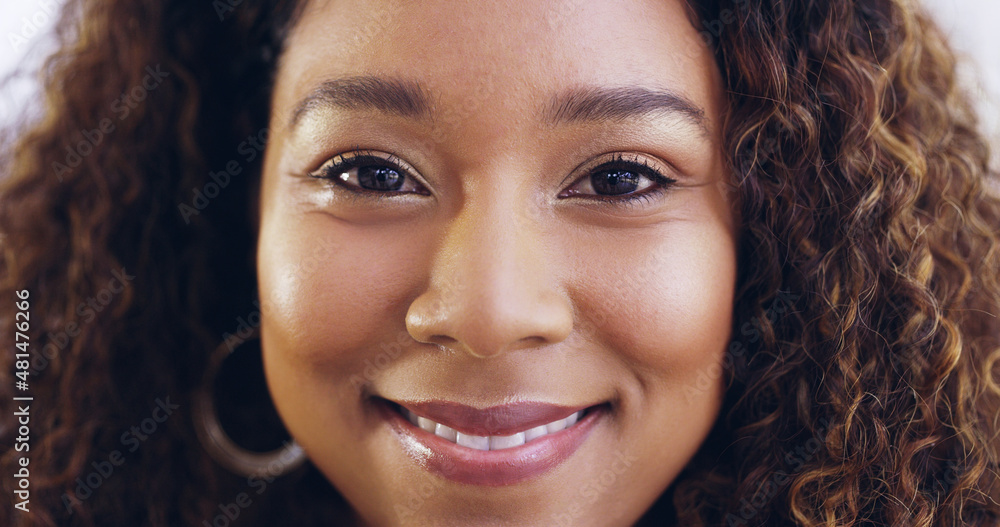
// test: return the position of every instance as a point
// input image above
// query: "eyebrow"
(411, 99)
(366, 92)
(597, 104)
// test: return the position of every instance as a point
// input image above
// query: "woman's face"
(522, 217)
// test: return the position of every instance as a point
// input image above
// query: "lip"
(501, 420)
(494, 467)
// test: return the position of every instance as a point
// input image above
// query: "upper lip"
(500, 420)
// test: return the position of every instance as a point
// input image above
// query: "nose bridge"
(490, 288)
(487, 259)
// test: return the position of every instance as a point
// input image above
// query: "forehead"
(503, 56)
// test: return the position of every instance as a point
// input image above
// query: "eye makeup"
(618, 179)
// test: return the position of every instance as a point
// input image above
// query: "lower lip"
(492, 468)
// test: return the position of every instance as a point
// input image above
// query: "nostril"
(443, 341)
(451, 345)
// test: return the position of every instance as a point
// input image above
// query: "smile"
(500, 445)
(493, 442)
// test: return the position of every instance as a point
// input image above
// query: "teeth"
(502, 442)
(426, 424)
(446, 432)
(491, 442)
(556, 426)
(471, 441)
(535, 433)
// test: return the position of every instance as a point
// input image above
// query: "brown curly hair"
(864, 372)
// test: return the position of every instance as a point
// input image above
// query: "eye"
(368, 172)
(622, 178)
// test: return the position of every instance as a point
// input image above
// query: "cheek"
(329, 289)
(661, 304)
(668, 308)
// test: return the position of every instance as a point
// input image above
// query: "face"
(496, 256)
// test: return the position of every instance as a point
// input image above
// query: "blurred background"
(25, 39)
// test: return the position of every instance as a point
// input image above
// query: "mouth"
(497, 446)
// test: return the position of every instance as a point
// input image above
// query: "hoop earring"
(227, 376)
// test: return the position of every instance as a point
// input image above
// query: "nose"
(492, 287)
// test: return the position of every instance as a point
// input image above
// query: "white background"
(972, 24)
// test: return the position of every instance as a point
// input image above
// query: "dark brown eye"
(374, 177)
(365, 172)
(623, 179)
(615, 181)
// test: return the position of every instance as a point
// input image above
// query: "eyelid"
(632, 158)
(356, 153)
(358, 157)
(646, 165)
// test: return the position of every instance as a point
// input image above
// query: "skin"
(494, 286)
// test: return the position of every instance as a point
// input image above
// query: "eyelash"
(632, 163)
(357, 158)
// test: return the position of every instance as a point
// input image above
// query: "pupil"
(615, 181)
(379, 178)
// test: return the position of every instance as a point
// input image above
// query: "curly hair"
(864, 372)
(873, 398)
